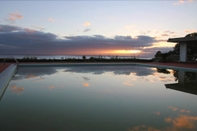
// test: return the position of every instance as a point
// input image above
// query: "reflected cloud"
(180, 110)
(157, 113)
(85, 84)
(163, 77)
(39, 79)
(30, 76)
(16, 89)
(86, 78)
(127, 83)
(144, 128)
(184, 111)
(51, 87)
(173, 108)
(180, 123)
(116, 70)
(183, 121)
(34, 72)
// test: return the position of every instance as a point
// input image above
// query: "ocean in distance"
(59, 57)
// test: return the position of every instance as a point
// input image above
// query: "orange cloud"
(190, 31)
(87, 24)
(16, 89)
(14, 16)
(85, 84)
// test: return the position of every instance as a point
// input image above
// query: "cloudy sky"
(104, 27)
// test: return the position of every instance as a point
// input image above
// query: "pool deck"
(4, 66)
(5, 76)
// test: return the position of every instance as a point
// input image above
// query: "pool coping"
(5, 77)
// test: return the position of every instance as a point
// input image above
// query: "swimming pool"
(87, 98)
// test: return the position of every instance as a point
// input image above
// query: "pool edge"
(109, 64)
(5, 78)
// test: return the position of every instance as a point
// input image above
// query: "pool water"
(98, 98)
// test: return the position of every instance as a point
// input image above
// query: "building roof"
(183, 39)
(187, 88)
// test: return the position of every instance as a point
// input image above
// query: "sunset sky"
(94, 27)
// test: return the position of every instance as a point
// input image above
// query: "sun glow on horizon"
(127, 51)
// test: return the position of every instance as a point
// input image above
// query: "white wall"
(183, 52)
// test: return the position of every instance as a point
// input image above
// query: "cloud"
(87, 29)
(129, 27)
(190, 31)
(51, 20)
(14, 16)
(18, 40)
(182, 2)
(86, 24)
(9, 28)
(39, 27)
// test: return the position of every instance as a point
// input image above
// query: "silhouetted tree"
(84, 57)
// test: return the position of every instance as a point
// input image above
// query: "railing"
(16, 61)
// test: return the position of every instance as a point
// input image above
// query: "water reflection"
(97, 98)
(187, 82)
(40, 72)
(116, 70)
(180, 122)
(33, 72)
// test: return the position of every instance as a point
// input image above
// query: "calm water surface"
(92, 98)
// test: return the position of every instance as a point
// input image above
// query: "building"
(184, 41)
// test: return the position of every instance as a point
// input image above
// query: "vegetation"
(174, 54)
(83, 59)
